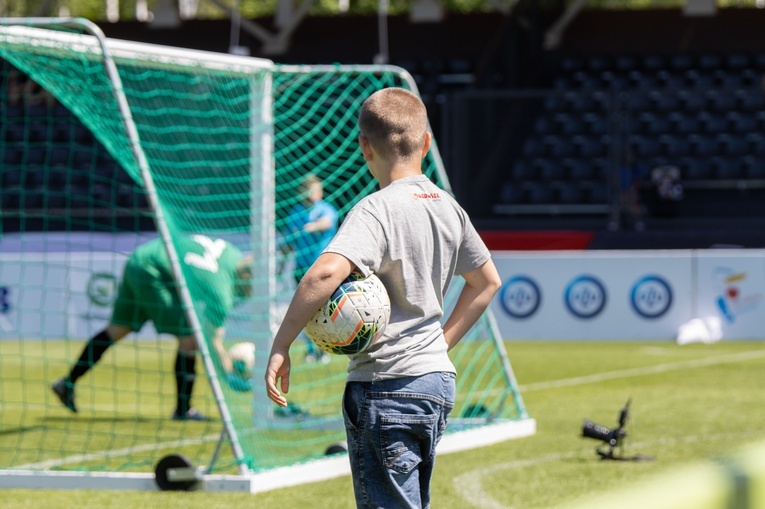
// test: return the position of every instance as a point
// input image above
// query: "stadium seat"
(588, 146)
(681, 62)
(10, 198)
(733, 145)
(722, 100)
(728, 80)
(699, 80)
(59, 155)
(10, 155)
(570, 193)
(579, 169)
(598, 63)
(655, 123)
(756, 143)
(549, 169)
(709, 62)
(685, 123)
(614, 80)
(598, 192)
(13, 132)
(676, 145)
(751, 77)
(705, 144)
(750, 100)
(664, 100)
(559, 146)
(555, 102)
(626, 63)
(602, 168)
(585, 80)
(654, 63)
(753, 167)
(57, 177)
(695, 168)
(713, 122)
(671, 80)
(641, 80)
(726, 168)
(539, 193)
(568, 123)
(737, 61)
(638, 100)
(579, 101)
(597, 123)
(693, 100)
(742, 122)
(645, 146)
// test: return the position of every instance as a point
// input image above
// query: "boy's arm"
(316, 286)
(480, 286)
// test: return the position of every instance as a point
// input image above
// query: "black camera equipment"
(614, 438)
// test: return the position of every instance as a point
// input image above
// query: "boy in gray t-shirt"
(414, 237)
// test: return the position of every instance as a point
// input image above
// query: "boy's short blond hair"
(395, 122)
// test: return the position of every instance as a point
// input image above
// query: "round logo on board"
(585, 297)
(651, 297)
(102, 289)
(520, 297)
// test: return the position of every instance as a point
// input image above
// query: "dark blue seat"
(709, 62)
(589, 146)
(665, 100)
(737, 61)
(726, 168)
(699, 80)
(598, 193)
(750, 99)
(549, 169)
(681, 62)
(734, 144)
(742, 122)
(569, 123)
(597, 123)
(728, 80)
(10, 177)
(671, 80)
(655, 123)
(705, 144)
(579, 101)
(756, 143)
(638, 100)
(693, 100)
(676, 145)
(722, 100)
(695, 168)
(539, 193)
(559, 146)
(579, 169)
(753, 167)
(685, 123)
(642, 80)
(713, 122)
(570, 193)
(654, 63)
(544, 125)
(645, 146)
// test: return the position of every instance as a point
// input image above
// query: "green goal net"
(109, 144)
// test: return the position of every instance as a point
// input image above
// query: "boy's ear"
(426, 144)
(366, 148)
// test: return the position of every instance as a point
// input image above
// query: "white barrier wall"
(611, 295)
(63, 285)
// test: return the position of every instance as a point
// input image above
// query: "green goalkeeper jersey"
(148, 291)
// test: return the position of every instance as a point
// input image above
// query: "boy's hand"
(278, 369)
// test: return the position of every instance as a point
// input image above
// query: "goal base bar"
(282, 477)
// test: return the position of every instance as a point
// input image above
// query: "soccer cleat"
(191, 415)
(65, 392)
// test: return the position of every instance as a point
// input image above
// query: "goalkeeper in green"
(148, 292)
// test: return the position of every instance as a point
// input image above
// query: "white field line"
(127, 451)
(645, 370)
(567, 382)
(469, 486)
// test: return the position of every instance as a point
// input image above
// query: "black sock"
(90, 355)
(185, 373)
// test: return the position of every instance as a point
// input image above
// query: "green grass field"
(690, 404)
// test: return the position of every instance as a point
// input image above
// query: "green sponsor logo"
(102, 289)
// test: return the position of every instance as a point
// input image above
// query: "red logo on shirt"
(426, 196)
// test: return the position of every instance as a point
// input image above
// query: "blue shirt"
(309, 245)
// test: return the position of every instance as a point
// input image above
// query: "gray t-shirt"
(414, 236)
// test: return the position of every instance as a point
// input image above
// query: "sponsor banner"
(604, 295)
(731, 286)
(55, 295)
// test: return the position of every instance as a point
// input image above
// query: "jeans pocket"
(405, 439)
(351, 410)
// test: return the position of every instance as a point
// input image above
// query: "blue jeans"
(393, 427)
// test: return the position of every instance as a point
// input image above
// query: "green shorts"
(144, 296)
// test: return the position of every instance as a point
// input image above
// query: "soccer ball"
(353, 317)
(242, 357)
